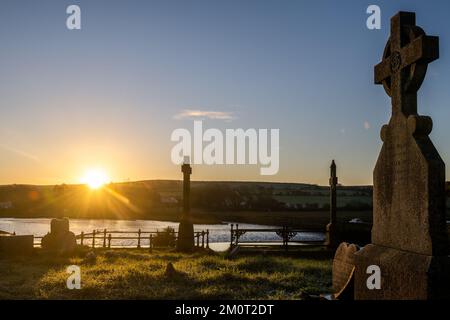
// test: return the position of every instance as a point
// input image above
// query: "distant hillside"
(152, 199)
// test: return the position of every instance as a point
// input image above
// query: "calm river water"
(219, 233)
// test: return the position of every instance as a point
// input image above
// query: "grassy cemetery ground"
(137, 274)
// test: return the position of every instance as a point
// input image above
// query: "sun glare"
(95, 178)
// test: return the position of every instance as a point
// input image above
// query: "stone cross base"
(185, 241)
(332, 239)
(404, 275)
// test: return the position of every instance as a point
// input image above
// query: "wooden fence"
(105, 238)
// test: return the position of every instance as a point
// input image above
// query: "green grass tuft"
(137, 274)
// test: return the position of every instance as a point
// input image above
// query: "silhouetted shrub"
(165, 238)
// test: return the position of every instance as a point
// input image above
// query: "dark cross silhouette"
(405, 59)
(333, 184)
(187, 171)
(331, 228)
(186, 228)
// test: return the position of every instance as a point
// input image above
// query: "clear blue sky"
(108, 95)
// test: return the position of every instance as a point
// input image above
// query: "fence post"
(231, 236)
(198, 239)
(203, 238)
(150, 246)
(207, 238)
(104, 238)
(109, 241)
(286, 238)
(93, 239)
(139, 238)
(237, 234)
(82, 237)
(157, 236)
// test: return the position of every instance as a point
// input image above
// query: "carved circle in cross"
(415, 73)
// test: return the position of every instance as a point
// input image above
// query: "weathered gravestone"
(343, 271)
(409, 239)
(60, 239)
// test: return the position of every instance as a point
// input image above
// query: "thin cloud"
(20, 152)
(366, 125)
(193, 114)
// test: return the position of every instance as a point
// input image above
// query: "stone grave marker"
(60, 239)
(409, 239)
(343, 271)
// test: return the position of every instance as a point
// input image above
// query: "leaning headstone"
(409, 239)
(343, 271)
(60, 239)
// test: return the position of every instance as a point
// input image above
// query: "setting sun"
(95, 178)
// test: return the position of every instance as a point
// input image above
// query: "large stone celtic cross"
(409, 177)
(409, 233)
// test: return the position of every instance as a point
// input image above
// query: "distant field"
(324, 200)
(311, 220)
(297, 204)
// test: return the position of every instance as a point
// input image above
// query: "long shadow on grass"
(21, 275)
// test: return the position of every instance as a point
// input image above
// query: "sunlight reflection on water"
(219, 233)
